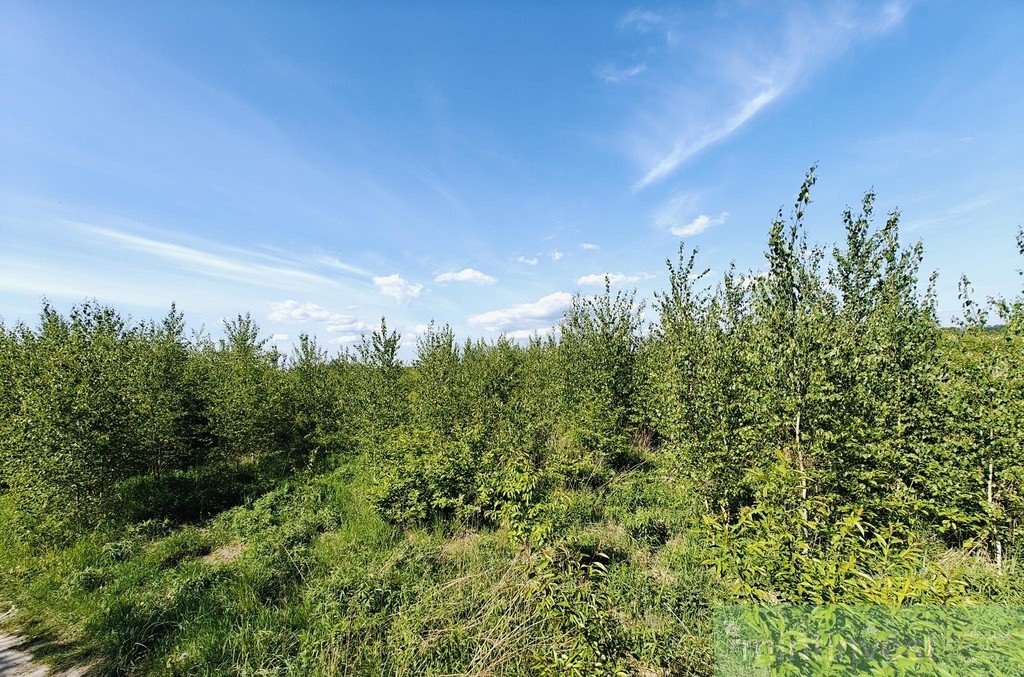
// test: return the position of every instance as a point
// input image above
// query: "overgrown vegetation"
(576, 505)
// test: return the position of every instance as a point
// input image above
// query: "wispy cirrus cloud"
(528, 260)
(961, 210)
(709, 76)
(397, 287)
(525, 316)
(226, 263)
(613, 74)
(335, 262)
(692, 143)
(590, 246)
(466, 275)
(641, 20)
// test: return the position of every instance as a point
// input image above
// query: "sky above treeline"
(323, 164)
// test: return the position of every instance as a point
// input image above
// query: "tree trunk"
(991, 505)
(803, 479)
(800, 458)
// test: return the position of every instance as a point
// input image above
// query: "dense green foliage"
(577, 505)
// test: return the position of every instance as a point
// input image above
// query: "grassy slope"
(308, 579)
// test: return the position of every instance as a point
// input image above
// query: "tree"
(245, 398)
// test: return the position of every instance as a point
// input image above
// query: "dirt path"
(14, 661)
(17, 661)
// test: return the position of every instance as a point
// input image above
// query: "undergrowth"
(578, 505)
(316, 582)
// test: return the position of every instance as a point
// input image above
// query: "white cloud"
(275, 338)
(675, 216)
(294, 311)
(347, 327)
(344, 339)
(590, 246)
(530, 261)
(411, 335)
(597, 279)
(544, 311)
(396, 287)
(523, 334)
(699, 225)
(310, 313)
(556, 255)
(466, 275)
(613, 74)
(750, 279)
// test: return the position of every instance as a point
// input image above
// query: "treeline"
(816, 409)
(104, 420)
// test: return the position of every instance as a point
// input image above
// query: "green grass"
(307, 578)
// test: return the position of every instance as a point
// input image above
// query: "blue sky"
(477, 163)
